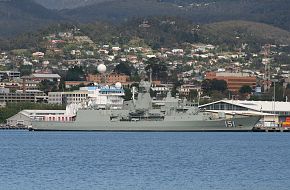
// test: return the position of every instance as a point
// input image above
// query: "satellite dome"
(102, 68)
(118, 85)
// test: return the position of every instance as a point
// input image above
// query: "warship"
(139, 115)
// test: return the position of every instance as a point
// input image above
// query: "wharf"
(7, 127)
(270, 129)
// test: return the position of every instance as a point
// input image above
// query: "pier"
(8, 127)
(270, 129)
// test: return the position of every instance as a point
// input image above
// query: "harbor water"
(166, 161)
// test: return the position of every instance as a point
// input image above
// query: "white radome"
(102, 68)
(118, 85)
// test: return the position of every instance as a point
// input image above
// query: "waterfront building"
(270, 111)
(24, 117)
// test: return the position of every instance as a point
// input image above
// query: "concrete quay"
(8, 127)
(270, 129)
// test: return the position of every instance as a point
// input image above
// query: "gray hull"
(93, 120)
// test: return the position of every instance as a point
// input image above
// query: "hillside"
(27, 15)
(159, 31)
(121, 10)
(170, 31)
(67, 4)
(24, 15)
(199, 11)
(234, 32)
(165, 32)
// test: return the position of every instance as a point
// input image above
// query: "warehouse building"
(271, 112)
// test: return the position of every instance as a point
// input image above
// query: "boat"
(139, 115)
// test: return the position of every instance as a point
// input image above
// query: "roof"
(28, 113)
(265, 106)
(45, 75)
(42, 112)
(238, 112)
(76, 92)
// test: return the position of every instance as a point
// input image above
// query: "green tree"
(159, 69)
(192, 95)
(209, 86)
(75, 74)
(25, 70)
(128, 94)
(219, 85)
(174, 90)
(217, 95)
(123, 67)
(47, 86)
(246, 89)
(135, 77)
(206, 86)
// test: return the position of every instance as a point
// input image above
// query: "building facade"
(111, 78)
(25, 117)
(99, 96)
(270, 111)
(67, 97)
(11, 75)
(28, 96)
(186, 89)
(234, 80)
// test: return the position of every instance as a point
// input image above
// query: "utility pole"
(266, 61)
(274, 97)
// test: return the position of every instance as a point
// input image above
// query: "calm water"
(56, 161)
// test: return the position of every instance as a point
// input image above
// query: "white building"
(270, 111)
(187, 88)
(100, 96)
(24, 117)
(67, 97)
(105, 96)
